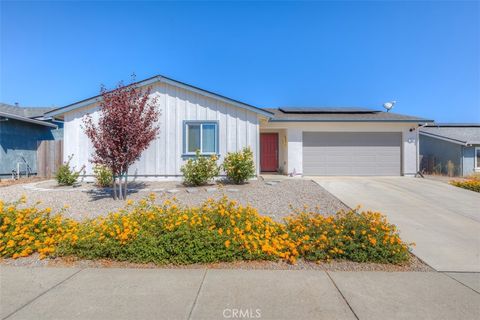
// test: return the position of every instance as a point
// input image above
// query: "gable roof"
(162, 79)
(339, 114)
(460, 133)
(27, 112)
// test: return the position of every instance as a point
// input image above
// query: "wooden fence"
(49, 157)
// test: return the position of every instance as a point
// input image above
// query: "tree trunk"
(114, 187)
(120, 191)
(126, 183)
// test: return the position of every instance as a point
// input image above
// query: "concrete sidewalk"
(68, 293)
(443, 220)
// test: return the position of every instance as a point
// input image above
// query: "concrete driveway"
(443, 220)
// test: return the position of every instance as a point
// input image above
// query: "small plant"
(67, 176)
(200, 170)
(103, 175)
(239, 166)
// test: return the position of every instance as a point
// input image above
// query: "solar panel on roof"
(326, 110)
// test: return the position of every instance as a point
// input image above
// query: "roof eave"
(24, 119)
(352, 120)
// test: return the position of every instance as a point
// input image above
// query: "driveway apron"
(442, 220)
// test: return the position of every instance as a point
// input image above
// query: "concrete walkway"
(443, 220)
(68, 293)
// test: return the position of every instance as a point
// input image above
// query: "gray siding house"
(21, 129)
(457, 143)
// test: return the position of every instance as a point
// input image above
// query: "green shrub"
(67, 176)
(239, 166)
(103, 176)
(200, 170)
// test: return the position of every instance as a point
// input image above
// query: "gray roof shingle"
(27, 112)
(342, 115)
(462, 133)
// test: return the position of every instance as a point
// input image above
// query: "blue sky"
(425, 55)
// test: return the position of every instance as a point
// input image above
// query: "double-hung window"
(201, 135)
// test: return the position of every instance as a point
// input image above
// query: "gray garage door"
(352, 153)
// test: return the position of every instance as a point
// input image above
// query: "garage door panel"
(351, 153)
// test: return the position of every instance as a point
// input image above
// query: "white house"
(300, 141)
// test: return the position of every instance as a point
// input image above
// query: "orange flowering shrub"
(221, 230)
(30, 230)
(470, 184)
(216, 231)
(350, 235)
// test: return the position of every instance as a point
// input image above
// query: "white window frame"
(201, 123)
(477, 165)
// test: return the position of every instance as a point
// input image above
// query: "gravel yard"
(414, 264)
(274, 198)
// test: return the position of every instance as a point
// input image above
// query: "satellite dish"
(389, 105)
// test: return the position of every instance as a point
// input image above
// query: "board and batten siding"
(238, 128)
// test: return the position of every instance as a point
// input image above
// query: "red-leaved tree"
(126, 126)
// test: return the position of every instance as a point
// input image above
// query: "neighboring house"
(455, 142)
(321, 141)
(20, 130)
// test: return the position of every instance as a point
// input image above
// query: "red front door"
(269, 152)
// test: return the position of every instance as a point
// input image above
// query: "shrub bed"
(29, 230)
(216, 231)
(359, 237)
(470, 184)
